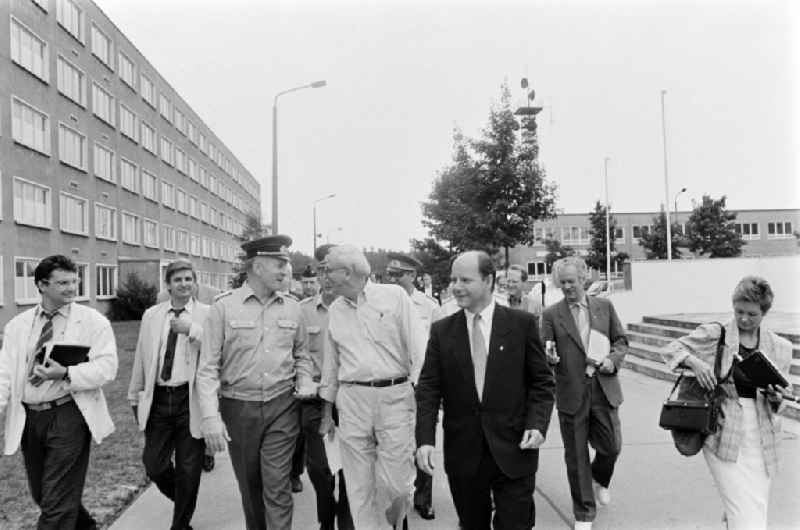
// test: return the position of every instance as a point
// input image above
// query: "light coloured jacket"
(84, 326)
(145, 362)
(702, 343)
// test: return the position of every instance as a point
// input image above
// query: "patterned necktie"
(169, 354)
(45, 337)
(579, 314)
(478, 355)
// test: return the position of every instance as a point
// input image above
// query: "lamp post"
(608, 227)
(315, 84)
(683, 190)
(666, 180)
(331, 196)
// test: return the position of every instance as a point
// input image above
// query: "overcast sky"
(402, 75)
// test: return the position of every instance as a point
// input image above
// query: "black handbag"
(693, 414)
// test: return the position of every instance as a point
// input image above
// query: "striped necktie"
(45, 337)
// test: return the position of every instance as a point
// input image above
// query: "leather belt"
(378, 383)
(171, 389)
(47, 405)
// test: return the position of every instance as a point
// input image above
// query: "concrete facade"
(765, 232)
(102, 160)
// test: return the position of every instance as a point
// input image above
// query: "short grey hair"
(349, 256)
(574, 261)
(756, 290)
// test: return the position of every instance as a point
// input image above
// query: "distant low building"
(765, 232)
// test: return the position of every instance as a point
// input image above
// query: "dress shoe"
(297, 485)
(602, 494)
(583, 525)
(426, 512)
(208, 462)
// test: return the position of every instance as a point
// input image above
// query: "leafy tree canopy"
(711, 230)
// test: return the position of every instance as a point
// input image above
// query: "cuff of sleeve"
(677, 359)
(211, 425)
(328, 393)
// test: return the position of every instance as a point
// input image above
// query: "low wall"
(704, 285)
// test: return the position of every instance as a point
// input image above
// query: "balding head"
(472, 280)
(347, 271)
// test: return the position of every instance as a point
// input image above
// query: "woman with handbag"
(742, 453)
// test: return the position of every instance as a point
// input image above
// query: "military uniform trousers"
(263, 437)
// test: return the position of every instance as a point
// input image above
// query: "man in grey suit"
(586, 343)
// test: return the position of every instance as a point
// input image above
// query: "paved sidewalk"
(653, 488)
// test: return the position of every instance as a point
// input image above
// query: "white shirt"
(179, 369)
(485, 324)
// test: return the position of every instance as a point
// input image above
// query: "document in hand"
(760, 370)
(69, 354)
(599, 346)
(332, 451)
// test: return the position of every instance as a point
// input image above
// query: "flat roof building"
(103, 161)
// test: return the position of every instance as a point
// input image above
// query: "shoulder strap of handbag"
(717, 361)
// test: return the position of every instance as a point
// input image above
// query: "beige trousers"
(377, 441)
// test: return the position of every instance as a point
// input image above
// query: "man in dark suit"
(589, 345)
(487, 365)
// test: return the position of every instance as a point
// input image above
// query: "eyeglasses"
(62, 283)
(327, 270)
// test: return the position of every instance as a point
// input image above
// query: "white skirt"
(744, 484)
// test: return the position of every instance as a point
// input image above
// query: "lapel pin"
(501, 347)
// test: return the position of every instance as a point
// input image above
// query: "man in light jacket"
(52, 411)
(162, 395)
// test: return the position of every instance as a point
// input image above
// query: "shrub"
(134, 296)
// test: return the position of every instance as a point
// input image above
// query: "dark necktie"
(169, 354)
(45, 337)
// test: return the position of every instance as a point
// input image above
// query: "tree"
(555, 251)
(494, 190)
(435, 261)
(134, 296)
(655, 241)
(711, 230)
(597, 247)
(253, 229)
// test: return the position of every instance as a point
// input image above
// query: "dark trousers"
(423, 489)
(329, 510)
(513, 497)
(299, 455)
(167, 433)
(595, 422)
(263, 437)
(55, 448)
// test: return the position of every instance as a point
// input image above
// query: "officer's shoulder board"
(223, 295)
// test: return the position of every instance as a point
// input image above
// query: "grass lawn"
(116, 473)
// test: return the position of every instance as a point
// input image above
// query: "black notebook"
(70, 354)
(761, 372)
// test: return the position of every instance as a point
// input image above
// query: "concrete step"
(658, 330)
(643, 351)
(650, 340)
(673, 323)
(657, 370)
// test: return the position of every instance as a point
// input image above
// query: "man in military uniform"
(402, 270)
(310, 281)
(254, 357)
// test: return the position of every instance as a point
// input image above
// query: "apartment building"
(765, 233)
(103, 161)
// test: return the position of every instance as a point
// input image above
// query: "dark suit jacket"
(517, 393)
(559, 326)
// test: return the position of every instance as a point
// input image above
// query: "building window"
(29, 51)
(104, 162)
(130, 228)
(169, 237)
(182, 241)
(748, 231)
(204, 212)
(148, 137)
(180, 201)
(192, 169)
(167, 194)
(779, 230)
(619, 233)
(180, 120)
(29, 126)
(640, 231)
(101, 47)
(166, 150)
(127, 70)
(569, 234)
(538, 232)
(106, 281)
(71, 81)
(32, 204)
(127, 122)
(537, 269)
(203, 143)
(180, 160)
(194, 244)
(25, 290)
(165, 107)
(212, 185)
(203, 177)
(148, 90)
(74, 214)
(128, 175)
(212, 215)
(82, 289)
(149, 184)
(105, 222)
(70, 17)
(150, 229)
(102, 104)
(191, 131)
(205, 247)
(72, 147)
(194, 207)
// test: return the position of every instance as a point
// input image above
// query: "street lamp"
(315, 84)
(666, 179)
(331, 196)
(683, 190)
(608, 228)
